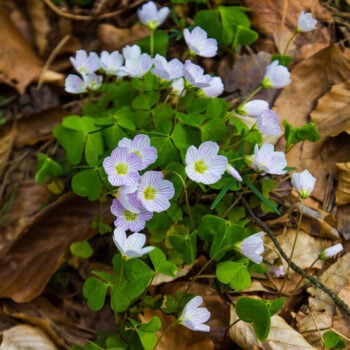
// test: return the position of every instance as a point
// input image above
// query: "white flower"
(150, 16)
(332, 251)
(154, 192)
(278, 271)
(111, 62)
(132, 246)
(137, 66)
(171, 70)
(252, 247)
(215, 88)
(304, 183)
(84, 63)
(204, 164)
(253, 108)
(268, 161)
(75, 84)
(268, 123)
(178, 87)
(199, 44)
(131, 52)
(234, 173)
(122, 167)
(194, 75)
(276, 76)
(93, 81)
(193, 316)
(305, 22)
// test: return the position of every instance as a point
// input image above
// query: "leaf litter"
(34, 235)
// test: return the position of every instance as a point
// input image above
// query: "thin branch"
(338, 301)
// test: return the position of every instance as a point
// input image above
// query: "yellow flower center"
(149, 193)
(129, 216)
(200, 166)
(121, 169)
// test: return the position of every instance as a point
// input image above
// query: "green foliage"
(147, 332)
(82, 249)
(294, 134)
(47, 168)
(235, 274)
(229, 25)
(333, 340)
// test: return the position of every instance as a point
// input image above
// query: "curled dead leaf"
(25, 337)
(343, 189)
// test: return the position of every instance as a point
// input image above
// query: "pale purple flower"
(199, 44)
(124, 195)
(276, 76)
(93, 81)
(130, 220)
(234, 173)
(85, 63)
(131, 52)
(193, 317)
(268, 161)
(122, 167)
(132, 246)
(215, 88)
(111, 62)
(204, 164)
(141, 146)
(252, 247)
(163, 69)
(75, 84)
(304, 183)
(137, 66)
(253, 108)
(150, 16)
(154, 192)
(332, 251)
(268, 123)
(178, 87)
(278, 271)
(305, 22)
(194, 74)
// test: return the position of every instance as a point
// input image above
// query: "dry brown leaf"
(25, 337)
(343, 220)
(19, 65)
(281, 336)
(276, 21)
(6, 143)
(343, 189)
(321, 306)
(114, 38)
(39, 127)
(332, 114)
(311, 79)
(29, 199)
(31, 260)
(39, 22)
(306, 251)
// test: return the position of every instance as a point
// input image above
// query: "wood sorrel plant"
(174, 160)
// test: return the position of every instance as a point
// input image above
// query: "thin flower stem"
(294, 244)
(338, 301)
(151, 49)
(252, 94)
(289, 42)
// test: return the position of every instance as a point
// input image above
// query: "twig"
(338, 301)
(64, 14)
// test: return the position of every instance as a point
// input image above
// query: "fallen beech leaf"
(277, 20)
(25, 337)
(31, 260)
(343, 189)
(332, 114)
(343, 220)
(39, 127)
(115, 38)
(19, 65)
(281, 336)
(29, 199)
(311, 79)
(322, 307)
(6, 143)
